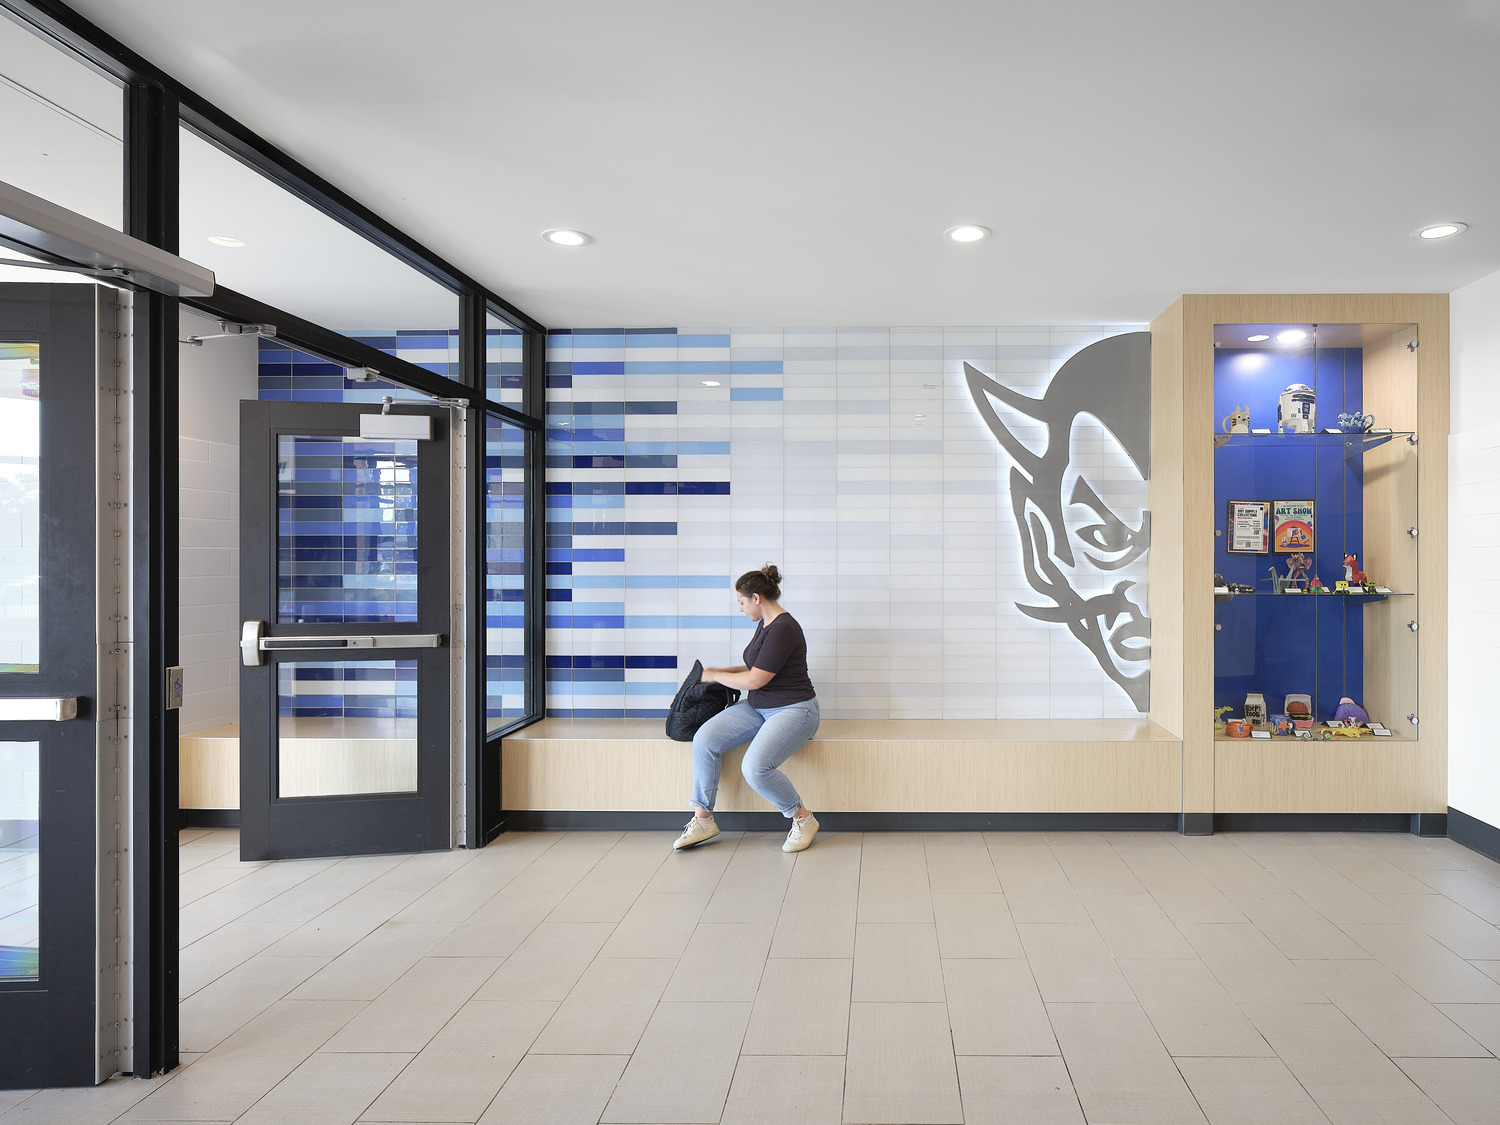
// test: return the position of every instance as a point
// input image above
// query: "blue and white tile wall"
(853, 458)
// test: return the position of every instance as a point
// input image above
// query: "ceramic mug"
(1237, 728)
(1356, 423)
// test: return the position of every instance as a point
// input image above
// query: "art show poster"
(1293, 523)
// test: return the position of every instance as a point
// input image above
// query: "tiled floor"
(599, 977)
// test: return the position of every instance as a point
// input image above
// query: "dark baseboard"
(531, 819)
(1195, 824)
(1429, 824)
(208, 818)
(1312, 822)
(1475, 834)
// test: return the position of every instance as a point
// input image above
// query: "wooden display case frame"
(1252, 776)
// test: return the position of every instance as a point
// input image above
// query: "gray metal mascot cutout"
(1111, 381)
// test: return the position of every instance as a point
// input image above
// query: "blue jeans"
(774, 734)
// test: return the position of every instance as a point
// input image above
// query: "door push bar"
(253, 642)
(55, 710)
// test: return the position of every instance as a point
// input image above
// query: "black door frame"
(156, 103)
(47, 1028)
(364, 824)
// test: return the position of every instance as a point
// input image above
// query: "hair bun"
(772, 574)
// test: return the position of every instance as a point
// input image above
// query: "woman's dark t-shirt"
(779, 648)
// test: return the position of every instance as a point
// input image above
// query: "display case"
(1253, 384)
(1316, 547)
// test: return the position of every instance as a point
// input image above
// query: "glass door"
(344, 691)
(48, 809)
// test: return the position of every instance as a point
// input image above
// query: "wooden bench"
(857, 766)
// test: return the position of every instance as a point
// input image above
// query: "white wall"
(214, 378)
(1474, 552)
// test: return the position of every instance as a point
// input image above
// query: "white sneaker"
(697, 830)
(802, 833)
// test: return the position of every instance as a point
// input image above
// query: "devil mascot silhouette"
(1070, 538)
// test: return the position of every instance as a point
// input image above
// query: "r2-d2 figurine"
(1297, 410)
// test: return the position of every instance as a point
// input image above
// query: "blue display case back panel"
(1287, 645)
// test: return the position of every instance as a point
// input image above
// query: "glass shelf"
(1223, 595)
(1353, 445)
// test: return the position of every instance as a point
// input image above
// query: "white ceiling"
(795, 163)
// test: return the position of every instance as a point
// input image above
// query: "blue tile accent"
(755, 394)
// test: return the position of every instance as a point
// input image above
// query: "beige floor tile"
(414, 1009)
(1455, 926)
(227, 1081)
(1250, 968)
(459, 1072)
(343, 925)
(1228, 868)
(327, 1089)
(1370, 871)
(900, 1066)
(1389, 1012)
(498, 927)
(657, 925)
(695, 870)
(994, 1008)
(885, 850)
(548, 963)
(814, 924)
(1295, 928)
(1480, 1021)
(1134, 925)
(375, 963)
(556, 1090)
(1467, 1090)
(1249, 1092)
(1186, 894)
(961, 870)
(975, 926)
(9, 1099)
(802, 1008)
(462, 893)
(640, 849)
(217, 1010)
(312, 896)
(1119, 1067)
(89, 1105)
(1475, 894)
(1012, 1091)
(605, 894)
(1040, 893)
(897, 964)
(227, 947)
(1348, 1076)
(681, 1069)
(1097, 869)
(1431, 968)
(608, 1007)
(1190, 1010)
(721, 963)
(560, 868)
(754, 882)
(1072, 964)
(894, 894)
(776, 1090)
(832, 866)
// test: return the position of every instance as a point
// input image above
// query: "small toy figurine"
(1237, 421)
(1316, 586)
(1255, 707)
(1351, 712)
(1219, 713)
(1279, 581)
(1352, 574)
(1297, 567)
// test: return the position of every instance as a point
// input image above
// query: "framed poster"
(1249, 527)
(1292, 526)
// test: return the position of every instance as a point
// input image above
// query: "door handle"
(54, 710)
(253, 642)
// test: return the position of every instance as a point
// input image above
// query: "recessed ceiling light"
(1257, 338)
(561, 237)
(710, 382)
(1442, 230)
(1291, 336)
(224, 240)
(967, 233)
